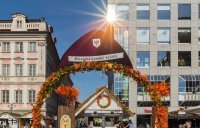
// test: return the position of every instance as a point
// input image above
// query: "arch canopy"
(96, 45)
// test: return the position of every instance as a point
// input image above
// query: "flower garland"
(108, 101)
(161, 115)
(47, 87)
(69, 93)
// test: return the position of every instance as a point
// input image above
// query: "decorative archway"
(156, 91)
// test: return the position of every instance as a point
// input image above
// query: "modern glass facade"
(163, 40)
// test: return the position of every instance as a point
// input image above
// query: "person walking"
(130, 124)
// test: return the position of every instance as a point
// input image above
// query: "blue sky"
(70, 20)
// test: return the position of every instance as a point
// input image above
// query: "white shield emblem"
(96, 42)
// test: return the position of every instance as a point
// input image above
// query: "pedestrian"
(188, 124)
(130, 124)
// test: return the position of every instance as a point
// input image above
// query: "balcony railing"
(189, 96)
(33, 25)
(41, 26)
(5, 25)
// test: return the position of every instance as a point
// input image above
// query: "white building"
(27, 56)
(162, 39)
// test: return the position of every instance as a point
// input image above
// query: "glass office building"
(162, 41)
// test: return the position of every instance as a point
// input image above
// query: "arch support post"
(66, 117)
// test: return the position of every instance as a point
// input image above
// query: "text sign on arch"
(65, 122)
(96, 58)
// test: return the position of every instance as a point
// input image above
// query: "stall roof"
(94, 96)
(9, 115)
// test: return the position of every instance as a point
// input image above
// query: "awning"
(9, 115)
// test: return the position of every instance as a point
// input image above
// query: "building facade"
(27, 56)
(162, 39)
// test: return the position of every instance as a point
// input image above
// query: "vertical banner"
(65, 122)
(66, 117)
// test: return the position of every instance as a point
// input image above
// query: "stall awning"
(9, 115)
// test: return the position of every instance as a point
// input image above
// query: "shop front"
(102, 109)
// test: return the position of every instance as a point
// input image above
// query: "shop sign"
(147, 111)
(65, 122)
(96, 58)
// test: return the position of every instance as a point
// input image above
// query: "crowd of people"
(188, 124)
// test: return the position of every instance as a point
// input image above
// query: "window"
(153, 79)
(163, 58)
(31, 96)
(6, 47)
(184, 11)
(163, 35)
(143, 35)
(184, 35)
(5, 96)
(19, 47)
(32, 47)
(18, 69)
(32, 69)
(199, 11)
(143, 12)
(19, 24)
(184, 58)
(18, 96)
(199, 58)
(189, 83)
(122, 11)
(142, 95)
(121, 88)
(121, 36)
(6, 70)
(199, 35)
(143, 59)
(163, 11)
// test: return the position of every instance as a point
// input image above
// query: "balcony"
(40, 26)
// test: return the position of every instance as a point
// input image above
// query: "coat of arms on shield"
(96, 42)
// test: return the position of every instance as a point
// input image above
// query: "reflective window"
(199, 11)
(163, 11)
(163, 58)
(154, 79)
(199, 35)
(189, 83)
(121, 36)
(199, 58)
(184, 35)
(163, 35)
(121, 88)
(143, 12)
(184, 58)
(143, 59)
(184, 11)
(122, 11)
(143, 35)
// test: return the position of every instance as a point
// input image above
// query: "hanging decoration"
(157, 91)
(100, 98)
(69, 93)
